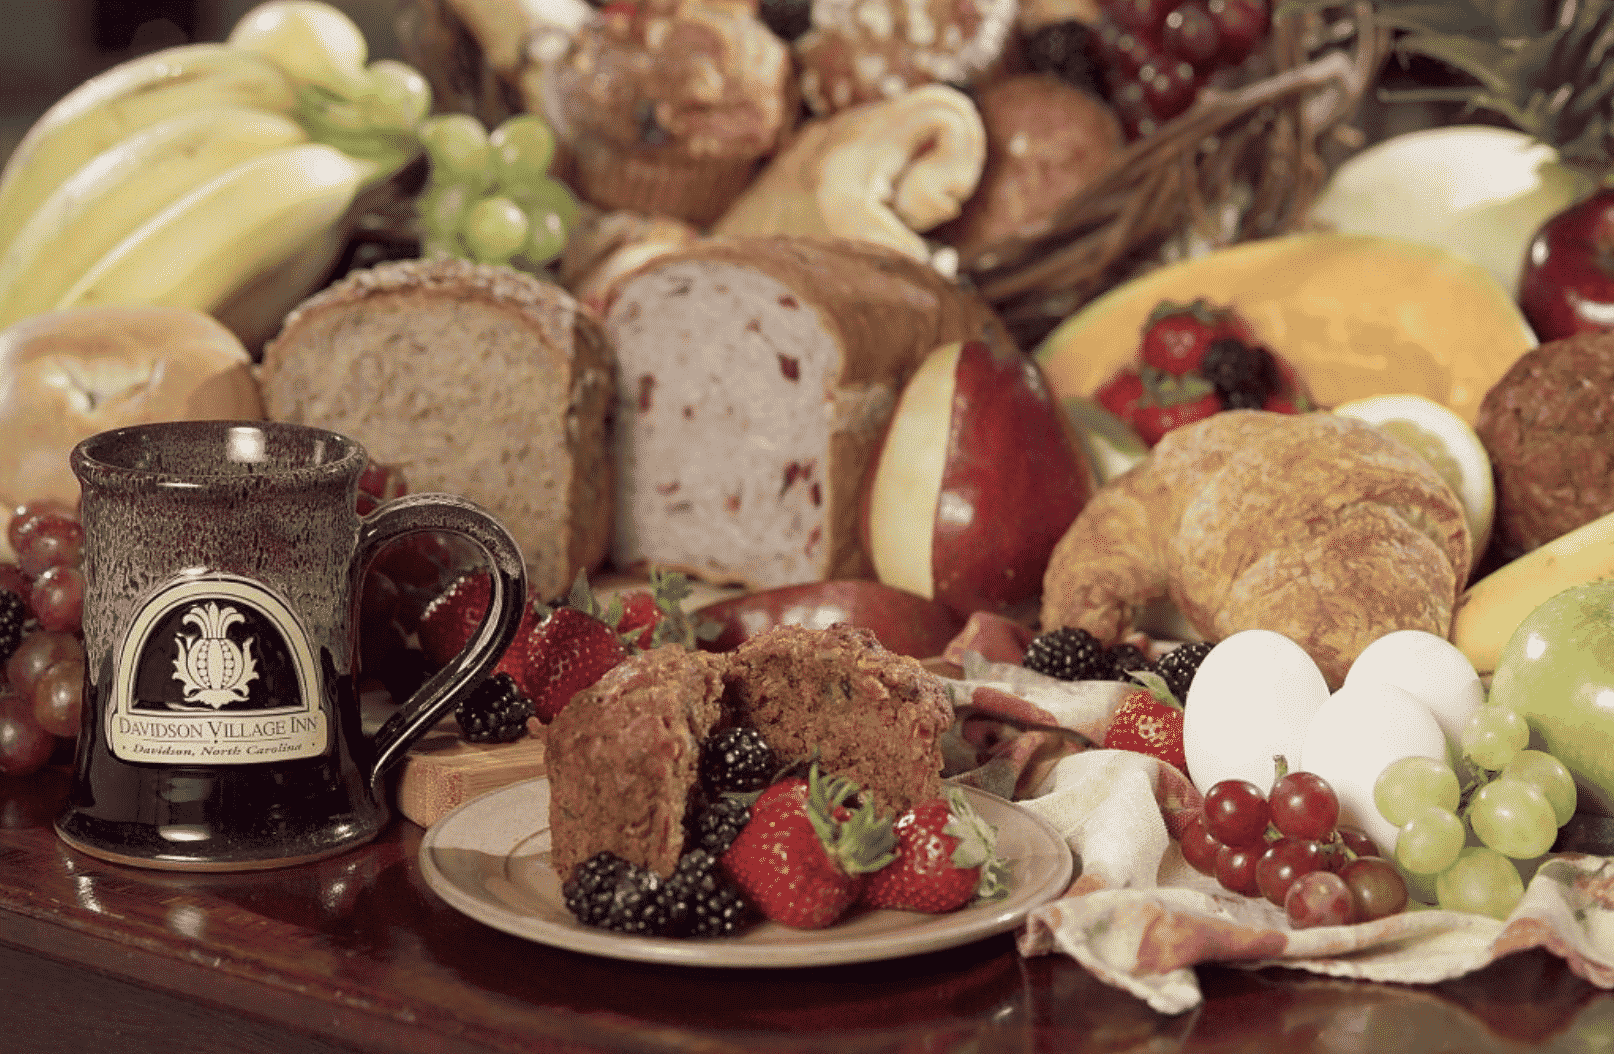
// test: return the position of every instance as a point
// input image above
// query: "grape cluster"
(1287, 845)
(43, 597)
(489, 196)
(1465, 835)
(1157, 54)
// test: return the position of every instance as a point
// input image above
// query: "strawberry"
(1121, 395)
(946, 857)
(640, 616)
(804, 856)
(654, 617)
(556, 652)
(565, 653)
(1154, 420)
(1149, 721)
(1176, 335)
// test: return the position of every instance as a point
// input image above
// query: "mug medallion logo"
(214, 669)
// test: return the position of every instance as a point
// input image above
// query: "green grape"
(1492, 735)
(1430, 840)
(546, 238)
(1514, 818)
(494, 229)
(442, 209)
(1549, 776)
(399, 96)
(457, 145)
(523, 147)
(1409, 784)
(546, 197)
(1481, 882)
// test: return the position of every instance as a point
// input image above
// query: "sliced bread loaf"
(756, 376)
(478, 381)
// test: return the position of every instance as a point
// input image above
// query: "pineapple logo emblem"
(214, 669)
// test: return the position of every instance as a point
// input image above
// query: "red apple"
(978, 475)
(1567, 282)
(905, 623)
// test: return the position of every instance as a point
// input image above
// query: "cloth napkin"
(1140, 918)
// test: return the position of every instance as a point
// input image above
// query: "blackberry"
(719, 823)
(1069, 653)
(1064, 49)
(613, 894)
(1178, 666)
(1242, 375)
(1124, 657)
(496, 712)
(700, 901)
(737, 759)
(13, 616)
(788, 19)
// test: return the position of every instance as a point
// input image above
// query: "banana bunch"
(181, 177)
(1491, 609)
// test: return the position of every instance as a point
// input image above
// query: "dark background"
(49, 46)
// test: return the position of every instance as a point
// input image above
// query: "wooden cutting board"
(443, 772)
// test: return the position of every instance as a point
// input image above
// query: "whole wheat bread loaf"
(756, 376)
(479, 381)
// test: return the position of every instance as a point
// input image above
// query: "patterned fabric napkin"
(1140, 918)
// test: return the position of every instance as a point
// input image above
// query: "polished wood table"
(357, 954)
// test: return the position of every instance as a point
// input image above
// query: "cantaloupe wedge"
(1356, 314)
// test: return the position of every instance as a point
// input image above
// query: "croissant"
(1319, 527)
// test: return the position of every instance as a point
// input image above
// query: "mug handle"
(445, 688)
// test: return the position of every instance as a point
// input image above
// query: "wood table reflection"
(357, 954)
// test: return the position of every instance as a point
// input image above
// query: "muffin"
(668, 106)
(1548, 425)
(860, 51)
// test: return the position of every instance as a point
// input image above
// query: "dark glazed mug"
(223, 563)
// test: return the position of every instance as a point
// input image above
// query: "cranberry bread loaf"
(624, 755)
(755, 378)
(475, 380)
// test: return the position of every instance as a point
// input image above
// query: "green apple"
(1557, 671)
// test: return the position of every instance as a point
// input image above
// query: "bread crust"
(1318, 527)
(884, 311)
(474, 380)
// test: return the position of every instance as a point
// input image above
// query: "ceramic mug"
(223, 563)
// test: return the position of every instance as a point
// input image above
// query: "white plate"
(489, 858)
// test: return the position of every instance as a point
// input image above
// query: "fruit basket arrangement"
(1243, 153)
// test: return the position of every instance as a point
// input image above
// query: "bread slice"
(756, 376)
(479, 381)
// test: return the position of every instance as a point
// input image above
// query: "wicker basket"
(1242, 163)
(1238, 165)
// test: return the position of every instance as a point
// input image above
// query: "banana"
(120, 189)
(226, 233)
(132, 95)
(1491, 609)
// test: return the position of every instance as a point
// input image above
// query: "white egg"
(1252, 698)
(1431, 668)
(1355, 735)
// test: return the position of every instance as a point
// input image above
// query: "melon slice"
(1356, 314)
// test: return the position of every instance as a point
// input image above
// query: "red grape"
(1377, 888)
(1303, 805)
(1240, 25)
(1236, 813)
(1320, 898)
(1283, 862)
(58, 599)
(38, 652)
(43, 539)
(1146, 18)
(1357, 841)
(1190, 34)
(23, 515)
(1169, 88)
(377, 484)
(13, 580)
(24, 745)
(1199, 846)
(59, 698)
(1235, 869)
